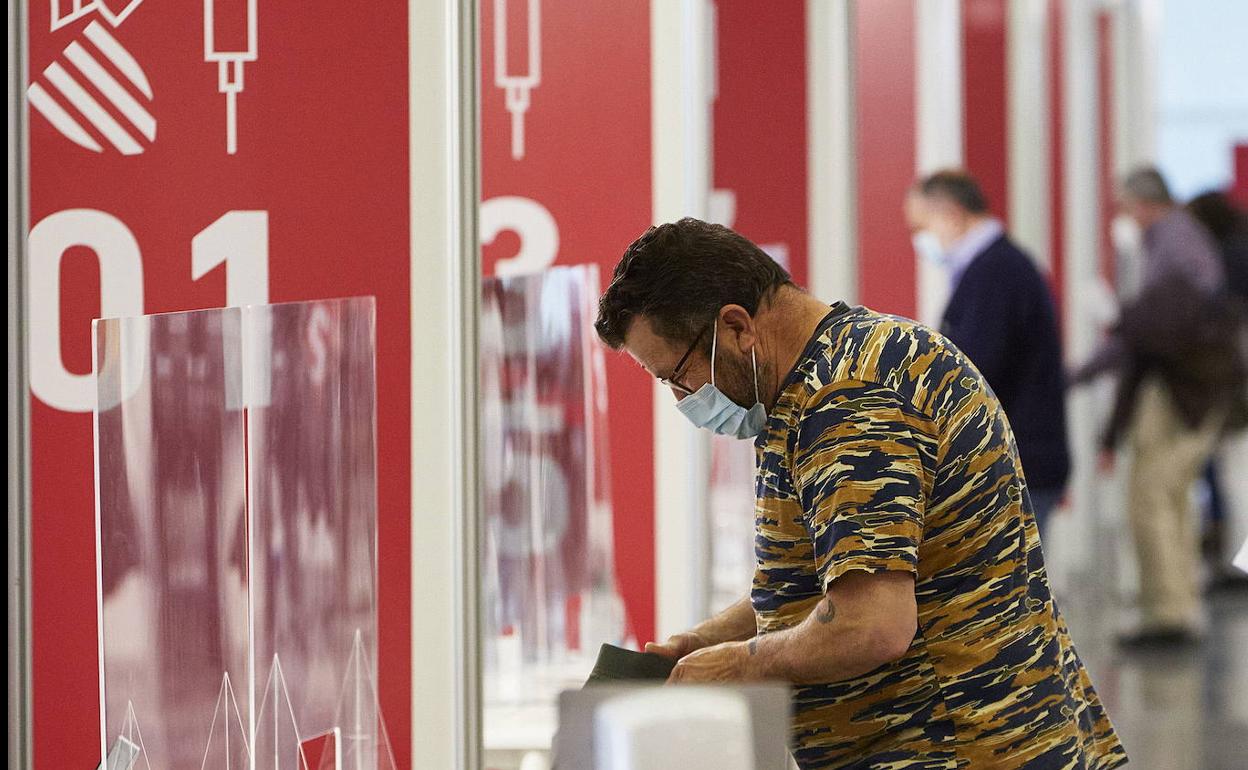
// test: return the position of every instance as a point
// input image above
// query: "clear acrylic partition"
(549, 590)
(172, 541)
(312, 465)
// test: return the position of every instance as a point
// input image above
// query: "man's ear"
(737, 328)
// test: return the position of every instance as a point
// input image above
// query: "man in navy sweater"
(1001, 315)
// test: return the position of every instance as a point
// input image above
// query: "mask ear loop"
(714, 338)
(754, 361)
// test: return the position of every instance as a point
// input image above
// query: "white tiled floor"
(1173, 711)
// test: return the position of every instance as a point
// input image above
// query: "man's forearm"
(733, 624)
(826, 647)
(1110, 357)
(862, 622)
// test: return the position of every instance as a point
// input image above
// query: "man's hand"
(727, 662)
(734, 623)
(678, 645)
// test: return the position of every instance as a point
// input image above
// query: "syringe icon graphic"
(230, 60)
(517, 87)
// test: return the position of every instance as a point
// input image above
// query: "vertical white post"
(445, 277)
(1136, 41)
(938, 123)
(681, 157)
(1082, 217)
(831, 161)
(1028, 135)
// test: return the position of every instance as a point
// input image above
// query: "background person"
(1229, 227)
(1179, 375)
(1228, 224)
(1001, 314)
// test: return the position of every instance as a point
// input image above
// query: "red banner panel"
(565, 180)
(1239, 188)
(760, 128)
(884, 89)
(1106, 184)
(191, 155)
(1057, 150)
(984, 96)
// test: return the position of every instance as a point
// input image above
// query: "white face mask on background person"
(1127, 237)
(710, 408)
(927, 247)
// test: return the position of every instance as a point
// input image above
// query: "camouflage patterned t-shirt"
(886, 450)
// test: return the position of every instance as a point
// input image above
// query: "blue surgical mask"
(709, 408)
(928, 247)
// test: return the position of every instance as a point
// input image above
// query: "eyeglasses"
(674, 380)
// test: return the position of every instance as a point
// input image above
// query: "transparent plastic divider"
(548, 581)
(171, 541)
(311, 433)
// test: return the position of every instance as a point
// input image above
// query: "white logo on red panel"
(517, 86)
(73, 10)
(96, 93)
(97, 60)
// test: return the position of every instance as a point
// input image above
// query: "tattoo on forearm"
(826, 611)
(753, 645)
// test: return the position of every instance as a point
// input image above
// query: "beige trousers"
(1168, 456)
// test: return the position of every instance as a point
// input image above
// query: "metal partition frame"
(466, 155)
(19, 402)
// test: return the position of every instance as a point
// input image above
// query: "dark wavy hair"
(955, 185)
(678, 275)
(1219, 214)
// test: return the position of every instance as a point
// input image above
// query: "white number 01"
(239, 240)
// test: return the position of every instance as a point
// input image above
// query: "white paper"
(1241, 558)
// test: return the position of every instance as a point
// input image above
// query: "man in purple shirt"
(1179, 370)
(1175, 244)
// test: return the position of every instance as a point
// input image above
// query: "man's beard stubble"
(735, 378)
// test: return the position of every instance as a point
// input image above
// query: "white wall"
(1202, 91)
